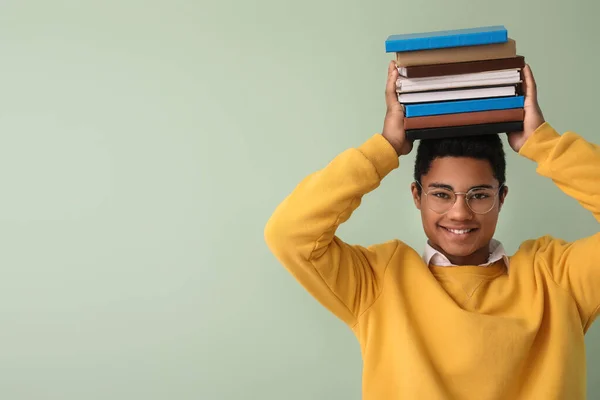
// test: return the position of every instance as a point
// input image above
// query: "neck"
(480, 256)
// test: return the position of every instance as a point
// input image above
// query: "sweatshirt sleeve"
(573, 164)
(301, 233)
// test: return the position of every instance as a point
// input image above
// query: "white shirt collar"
(497, 252)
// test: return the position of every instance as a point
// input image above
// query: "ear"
(415, 194)
(502, 196)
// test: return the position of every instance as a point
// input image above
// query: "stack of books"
(459, 82)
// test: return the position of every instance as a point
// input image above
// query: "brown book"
(493, 51)
(463, 119)
(469, 67)
(464, 130)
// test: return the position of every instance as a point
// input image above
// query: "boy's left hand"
(533, 114)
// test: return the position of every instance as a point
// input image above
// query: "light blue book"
(463, 106)
(445, 39)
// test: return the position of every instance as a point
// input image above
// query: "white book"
(493, 78)
(446, 95)
(503, 73)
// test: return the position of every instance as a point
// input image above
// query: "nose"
(460, 211)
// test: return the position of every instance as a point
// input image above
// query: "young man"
(464, 320)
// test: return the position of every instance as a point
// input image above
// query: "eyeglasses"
(479, 200)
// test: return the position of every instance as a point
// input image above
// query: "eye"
(441, 195)
(480, 196)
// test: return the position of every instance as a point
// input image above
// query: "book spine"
(460, 119)
(450, 40)
(457, 85)
(460, 106)
(469, 130)
(428, 71)
(460, 54)
(460, 94)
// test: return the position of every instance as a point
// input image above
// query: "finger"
(530, 85)
(391, 67)
(390, 89)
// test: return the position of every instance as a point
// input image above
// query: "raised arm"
(301, 233)
(573, 164)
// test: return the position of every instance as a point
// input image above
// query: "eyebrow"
(449, 187)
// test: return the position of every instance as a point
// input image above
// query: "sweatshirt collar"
(497, 252)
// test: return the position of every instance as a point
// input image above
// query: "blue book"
(463, 106)
(445, 39)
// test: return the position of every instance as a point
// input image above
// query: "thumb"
(391, 98)
(530, 85)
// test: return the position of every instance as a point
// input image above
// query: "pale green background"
(144, 144)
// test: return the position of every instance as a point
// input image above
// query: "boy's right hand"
(393, 125)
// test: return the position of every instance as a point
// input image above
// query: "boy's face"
(460, 234)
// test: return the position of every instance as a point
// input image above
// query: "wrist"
(395, 143)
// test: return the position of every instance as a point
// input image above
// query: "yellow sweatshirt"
(463, 332)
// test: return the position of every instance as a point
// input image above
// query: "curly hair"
(482, 147)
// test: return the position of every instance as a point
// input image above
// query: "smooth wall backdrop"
(144, 145)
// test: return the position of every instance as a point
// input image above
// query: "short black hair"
(482, 147)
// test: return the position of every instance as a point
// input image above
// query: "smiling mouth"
(459, 231)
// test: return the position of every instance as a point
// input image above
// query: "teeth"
(460, 231)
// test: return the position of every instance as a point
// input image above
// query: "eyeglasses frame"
(456, 194)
